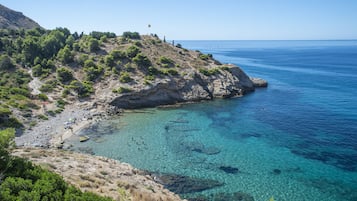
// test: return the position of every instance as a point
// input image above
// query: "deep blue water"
(304, 125)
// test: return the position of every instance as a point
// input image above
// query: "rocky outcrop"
(225, 84)
(258, 82)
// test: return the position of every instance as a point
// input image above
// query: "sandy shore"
(52, 132)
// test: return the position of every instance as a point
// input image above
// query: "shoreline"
(53, 132)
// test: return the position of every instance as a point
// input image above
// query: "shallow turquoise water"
(304, 124)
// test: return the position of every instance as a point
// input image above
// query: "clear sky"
(200, 19)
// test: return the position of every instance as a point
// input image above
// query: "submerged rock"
(183, 184)
(201, 148)
(237, 196)
(229, 169)
(277, 171)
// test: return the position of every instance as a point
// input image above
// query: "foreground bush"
(21, 180)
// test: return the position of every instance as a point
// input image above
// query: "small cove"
(294, 140)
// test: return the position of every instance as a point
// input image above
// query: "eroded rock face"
(226, 84)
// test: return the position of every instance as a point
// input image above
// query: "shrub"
(82, 58)
(153, 71)
(125, 77)
(209, 72)
(121, 90)
(118, 54)
(65, 55)
(83, 89)
(92, 73)
(109, 60)
(132, 51)
(131, 35)
(6, 63)
(93, 45)
(64, 75)
(225, 68)
(204, 56)
(43, 117)
(99, 35)
(42, 97)
(165, 60)
(142, 60)
(48, 86)
(169, 71)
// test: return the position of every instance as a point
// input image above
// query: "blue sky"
(200, 19)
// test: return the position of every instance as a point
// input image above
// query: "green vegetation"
(64, 75)
(98, 35)
(132, 51)
(125, 77)
(205, 56)
(165, 60)
(169, 71)
(131, 35)
(209, 72)
(65, 55)
(83, 89)
(142, 60)
(121, 90)
(21, 180)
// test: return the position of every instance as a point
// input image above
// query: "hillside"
(10, 19)
(43, 71)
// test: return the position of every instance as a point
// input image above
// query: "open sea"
(294, 141)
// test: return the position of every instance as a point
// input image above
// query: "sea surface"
(294, 141)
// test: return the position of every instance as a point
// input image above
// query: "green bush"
(6, 63)
(209, 72)
(109, 60)
(225, 68)
(65, 55)
(49, 85)
(93, 45)
(64, 75)
(153, 71)
(83, 89)
(98, 35)
(42, 97)
(131, 35)
(43, 117)
(165, 60)
(142, 60)
(118, 54)
(125, 77)
(204, 56)
(169, 71)
(121, 90)
(132, 51)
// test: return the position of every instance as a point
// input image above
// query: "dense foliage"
(21, 180)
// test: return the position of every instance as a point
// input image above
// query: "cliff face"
(225, 84)
(10, 19)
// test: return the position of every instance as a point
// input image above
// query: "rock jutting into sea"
(226, 84)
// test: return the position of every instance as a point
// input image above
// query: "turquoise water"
(295, 140)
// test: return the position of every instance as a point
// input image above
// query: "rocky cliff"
(224, 84)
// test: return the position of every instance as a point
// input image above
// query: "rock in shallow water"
(229, 169)
(184, 184)
(237, 196)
